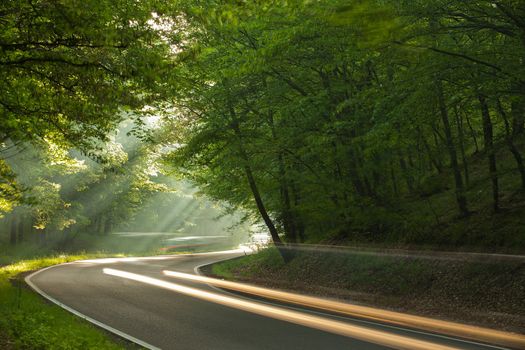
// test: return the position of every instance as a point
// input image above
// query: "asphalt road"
(168, 319)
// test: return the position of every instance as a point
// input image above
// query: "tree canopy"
(68, 71)
(324, 117)
(322, 120)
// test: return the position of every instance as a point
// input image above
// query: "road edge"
(197, 270)
(108, 328)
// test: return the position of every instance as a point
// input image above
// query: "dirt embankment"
(487, 293)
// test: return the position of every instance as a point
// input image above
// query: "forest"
(347, 122)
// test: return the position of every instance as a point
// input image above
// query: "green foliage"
(320, 119)
(34, 324)
(10, 191)
(325, 119)
(67, 76)
(432, 185)
(68, 70)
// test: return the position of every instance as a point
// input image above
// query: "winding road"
(135, 299)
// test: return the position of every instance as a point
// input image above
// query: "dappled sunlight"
(363, 151)
(320, 323)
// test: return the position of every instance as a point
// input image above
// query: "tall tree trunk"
(369, 189)
(13, 230)
(472, 133)
(360, 163)
(410, 159)
(436, 137)
(260, 204)
(459, 189)
(518, 114)
(33, 232)
(94, 225)
(406, 175)
(461, 135)
(107, 226)
(287, 215)
(509, 139)
(393, 179)
(299, 223)
(376, 179)
(101, 224)
(340, 142)
(261, 208)
(353, 173)
(21, 227)
(489, 149)
(435, 161)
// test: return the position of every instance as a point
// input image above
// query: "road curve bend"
(134, 299)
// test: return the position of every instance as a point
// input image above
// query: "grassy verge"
(28, 322)
(486, 293)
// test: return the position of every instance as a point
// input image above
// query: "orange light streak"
(324, 324)
(428, 324)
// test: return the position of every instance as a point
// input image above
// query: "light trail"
(410, 253)
(428, 324)
(102, 261)
(324, 324)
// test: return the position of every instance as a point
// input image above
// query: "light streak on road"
(324, 324)
(450, 328)
(103, 261)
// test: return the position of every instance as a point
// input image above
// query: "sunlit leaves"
(10, 191)
(68, 69)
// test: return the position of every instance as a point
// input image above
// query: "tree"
(67, 70)
(309, 116)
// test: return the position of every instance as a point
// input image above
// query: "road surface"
(187, 316)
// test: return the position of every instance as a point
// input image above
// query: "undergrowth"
(29, 322)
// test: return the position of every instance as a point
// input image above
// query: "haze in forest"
(370, 123)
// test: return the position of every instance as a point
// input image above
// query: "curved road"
(186, 318)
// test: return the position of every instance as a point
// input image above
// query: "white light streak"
(433, 325)
(324, 324)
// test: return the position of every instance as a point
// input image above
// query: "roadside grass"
(485, 293)
(29, 322)
(250, 266)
